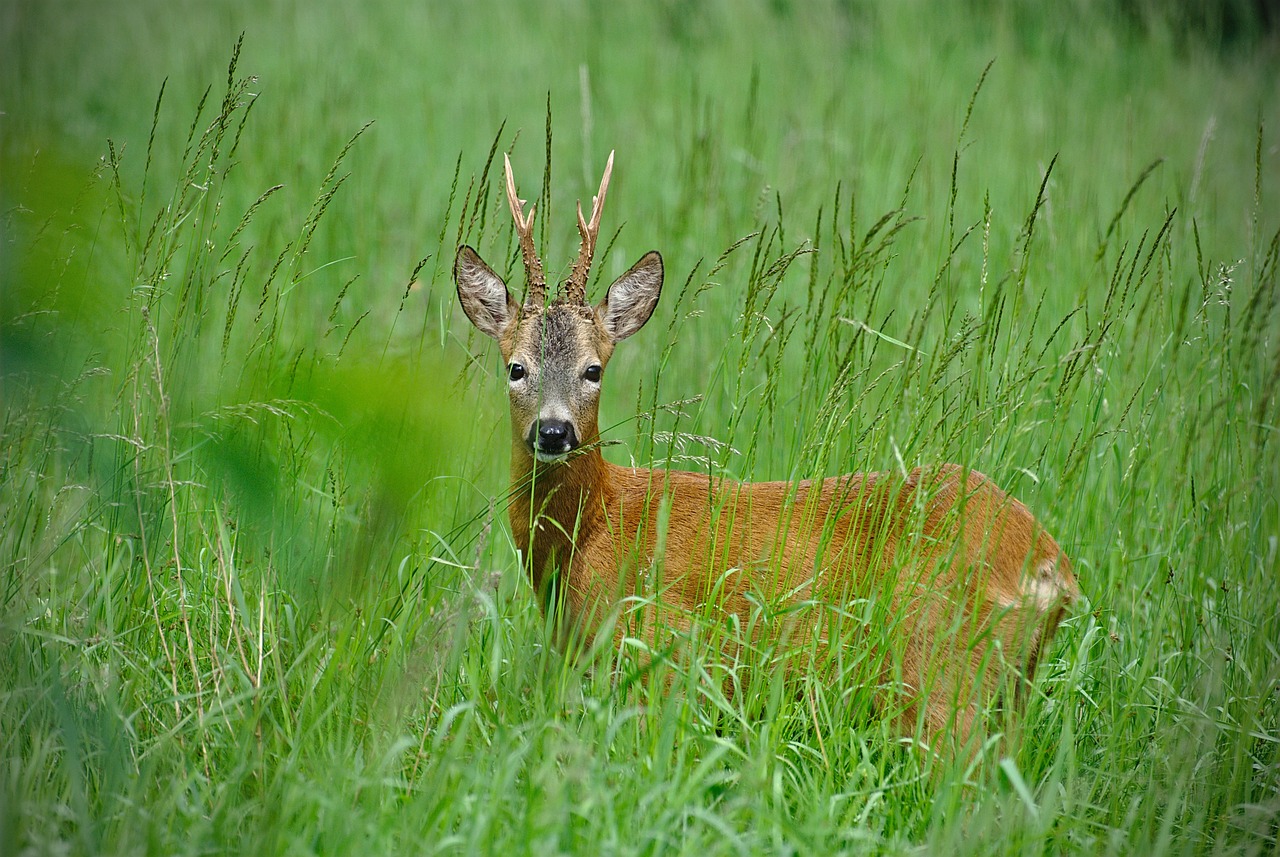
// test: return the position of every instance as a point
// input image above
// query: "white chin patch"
(547, 458)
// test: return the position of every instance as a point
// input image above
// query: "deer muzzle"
(551, 439)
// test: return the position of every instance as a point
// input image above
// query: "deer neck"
(556, 505)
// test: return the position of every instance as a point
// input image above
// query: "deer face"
(555, 355)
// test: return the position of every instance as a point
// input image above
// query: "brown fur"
(967, 552)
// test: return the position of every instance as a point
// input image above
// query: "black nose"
(551, 433)
(553, 437)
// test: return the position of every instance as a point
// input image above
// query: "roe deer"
(969, 586)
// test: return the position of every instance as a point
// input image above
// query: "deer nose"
(553, 437)
(552, 432)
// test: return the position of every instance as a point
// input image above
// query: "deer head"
(556, 353)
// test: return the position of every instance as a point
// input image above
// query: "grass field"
(258, 591)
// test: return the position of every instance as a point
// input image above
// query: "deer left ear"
(632, 297)
(483, 295)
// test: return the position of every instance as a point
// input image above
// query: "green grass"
(258, 592)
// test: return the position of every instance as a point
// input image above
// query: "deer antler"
(537, 294)
(576, 287)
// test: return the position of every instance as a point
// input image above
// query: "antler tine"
(577, 285)
(524, 229)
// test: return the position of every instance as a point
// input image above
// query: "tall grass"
(258, 590)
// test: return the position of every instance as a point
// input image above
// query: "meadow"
(258, 592)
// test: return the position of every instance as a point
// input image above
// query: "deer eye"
(593, 373)
(516, 371)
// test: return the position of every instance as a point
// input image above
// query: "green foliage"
(258, 592)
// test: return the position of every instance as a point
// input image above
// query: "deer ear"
(483, 295)
(632, 297)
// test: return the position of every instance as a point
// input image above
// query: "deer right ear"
(632, 297)
(483, 295)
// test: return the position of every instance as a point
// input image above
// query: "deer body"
(970, 586)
